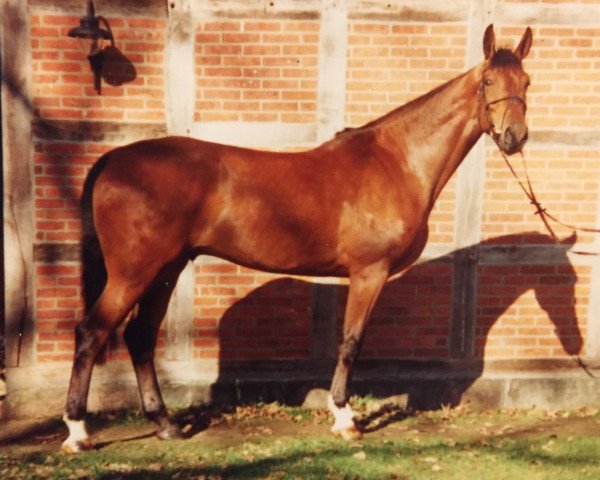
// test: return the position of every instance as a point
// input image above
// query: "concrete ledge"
(41, 390)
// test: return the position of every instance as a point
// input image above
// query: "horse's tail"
(94, 273)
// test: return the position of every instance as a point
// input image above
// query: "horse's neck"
(435, 132)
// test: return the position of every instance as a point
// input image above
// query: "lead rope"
(544, 215)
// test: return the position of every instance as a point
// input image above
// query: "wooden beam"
(106, 8)
(180, 101)
(331, 98)
(18, 174)
(469, 207)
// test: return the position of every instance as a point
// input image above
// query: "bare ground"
(232, 426)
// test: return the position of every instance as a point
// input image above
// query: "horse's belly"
(275, 248)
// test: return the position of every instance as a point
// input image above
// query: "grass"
(256, 442)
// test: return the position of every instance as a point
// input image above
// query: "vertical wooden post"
(17, 173)
(469, 205)
(333, 47)
(331, 99)
(179, 102)
(179, 68)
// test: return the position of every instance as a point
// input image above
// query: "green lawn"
(274, 442)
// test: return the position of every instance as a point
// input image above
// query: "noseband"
(486, 106)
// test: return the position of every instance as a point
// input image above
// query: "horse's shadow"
(273, 323)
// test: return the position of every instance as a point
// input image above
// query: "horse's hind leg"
(141, 335)
(365, 287)
(90, 337)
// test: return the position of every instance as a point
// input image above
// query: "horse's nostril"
(509, 137)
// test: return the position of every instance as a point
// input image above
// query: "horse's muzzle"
(512, 140)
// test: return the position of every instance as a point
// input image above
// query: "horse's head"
(503, 92)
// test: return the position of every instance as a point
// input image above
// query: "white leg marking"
(78, 438)
(344, 417)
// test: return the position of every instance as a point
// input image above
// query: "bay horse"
(357, 206)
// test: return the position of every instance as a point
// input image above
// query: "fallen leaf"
(505, 429)
(548, 446)
(587, 412)
(119, 467)
(265, 430)
(360, 455)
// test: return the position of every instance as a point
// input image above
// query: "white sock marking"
(344, 417)
(77, 434)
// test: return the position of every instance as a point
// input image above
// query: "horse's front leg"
(365, 286)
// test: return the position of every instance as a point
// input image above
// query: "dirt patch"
(232, 426)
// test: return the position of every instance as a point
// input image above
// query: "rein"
(545, 216)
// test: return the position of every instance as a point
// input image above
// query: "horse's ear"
(569, 241)
(524, 45)
(489, 42)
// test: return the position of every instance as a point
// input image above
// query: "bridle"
(526, 186)
(491, 128)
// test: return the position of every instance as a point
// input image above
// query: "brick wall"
(412, 317)
(523, 307)
(249, 70)
(62, 84)
(244, 315)
(58, 309)
(261, 67)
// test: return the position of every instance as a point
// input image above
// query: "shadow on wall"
(113, 67)
(273, 322)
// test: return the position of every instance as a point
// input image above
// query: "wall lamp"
(91, 39)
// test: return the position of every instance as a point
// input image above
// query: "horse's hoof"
(348, 434)
(71, 448)
(172, 432)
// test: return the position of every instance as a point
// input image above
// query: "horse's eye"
(488, 82)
